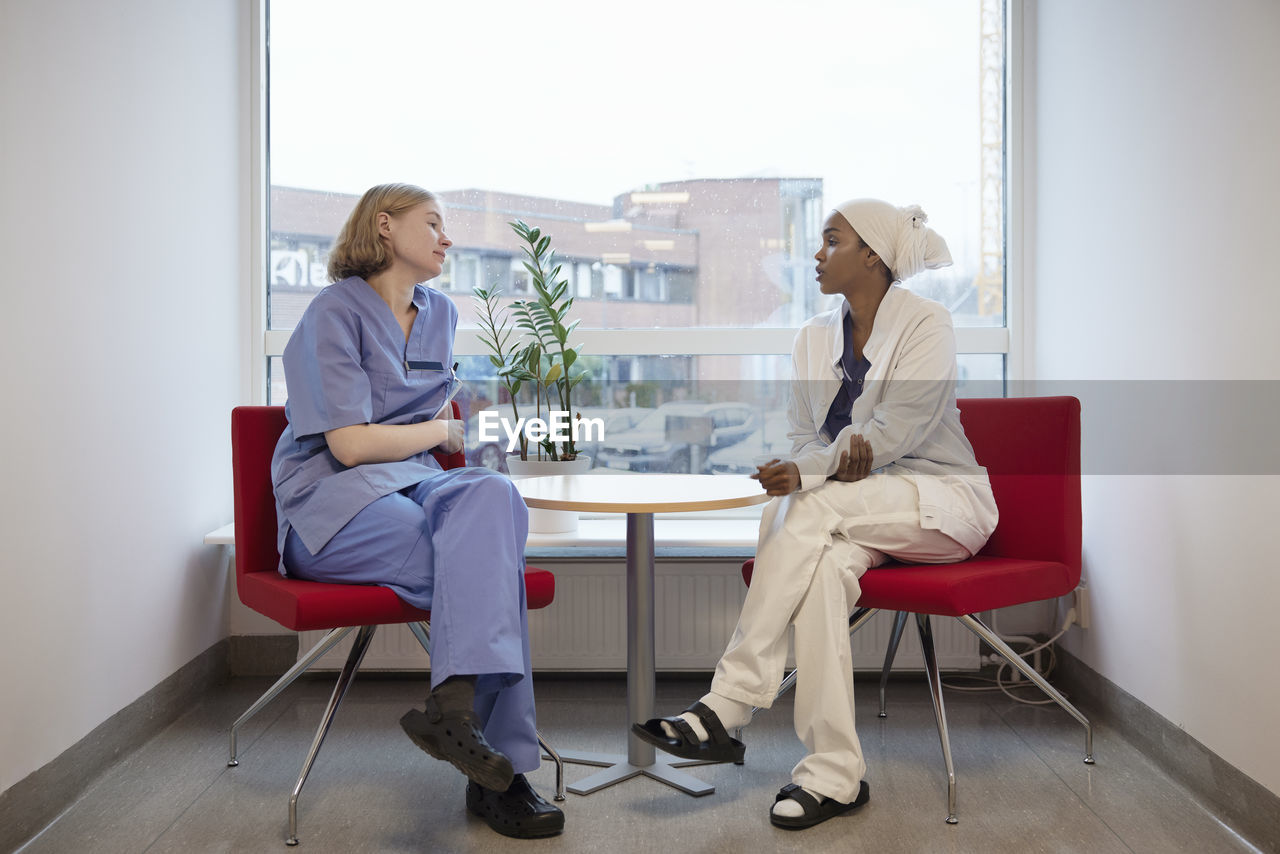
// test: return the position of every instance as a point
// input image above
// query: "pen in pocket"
(455, 385)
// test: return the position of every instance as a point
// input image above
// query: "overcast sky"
(584, 99)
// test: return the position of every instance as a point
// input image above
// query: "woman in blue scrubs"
(361, 499)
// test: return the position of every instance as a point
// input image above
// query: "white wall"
(1155, 226)
(120, 226)
(121, 218)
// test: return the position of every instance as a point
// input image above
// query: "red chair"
(308, 605)
(1031, 449)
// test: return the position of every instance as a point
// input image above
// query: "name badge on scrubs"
(411, 365)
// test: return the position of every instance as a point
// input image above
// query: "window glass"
(681, 157)
(640, 401)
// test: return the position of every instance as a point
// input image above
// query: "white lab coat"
(927, 501)
(907, 412)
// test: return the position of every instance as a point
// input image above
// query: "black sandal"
(814, 812)
(719, 748)
(455, 738)
(519, 812)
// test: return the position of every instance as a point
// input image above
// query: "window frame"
(1009, 340)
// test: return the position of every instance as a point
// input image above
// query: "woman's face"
(416, 240)
(844, 260)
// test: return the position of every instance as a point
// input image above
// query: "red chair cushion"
(1031, 449)
(954, 589)
(308, 605)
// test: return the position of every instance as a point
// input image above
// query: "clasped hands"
(780, 477)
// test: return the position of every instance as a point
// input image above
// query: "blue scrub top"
(346, 363)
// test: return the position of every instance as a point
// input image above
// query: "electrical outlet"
(1082, 605)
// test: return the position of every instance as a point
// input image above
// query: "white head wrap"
(898, 235)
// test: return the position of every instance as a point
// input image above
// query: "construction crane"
(989, 282)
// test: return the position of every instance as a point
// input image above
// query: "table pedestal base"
(617, 768)
(641, 759)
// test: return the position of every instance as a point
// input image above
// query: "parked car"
(615, 421)
(770, 439)
(491, 455)
(649, 445)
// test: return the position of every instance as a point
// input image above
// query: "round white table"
(639, 496)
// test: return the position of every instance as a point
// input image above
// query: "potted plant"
(536, 355)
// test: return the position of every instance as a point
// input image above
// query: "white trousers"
(813, 548)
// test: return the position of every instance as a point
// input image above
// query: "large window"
(681, 155)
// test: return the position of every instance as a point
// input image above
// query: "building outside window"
(686, 217)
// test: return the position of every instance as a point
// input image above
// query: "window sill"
(673, 537)
(607, 537)
(224, 536)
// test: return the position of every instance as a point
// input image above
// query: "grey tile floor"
(1022, 786)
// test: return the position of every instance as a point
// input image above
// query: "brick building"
(682, 254)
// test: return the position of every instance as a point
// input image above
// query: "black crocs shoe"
(519, 811)
(455, 738)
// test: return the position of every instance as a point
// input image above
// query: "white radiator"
(696, 607)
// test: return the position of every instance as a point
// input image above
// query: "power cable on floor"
(998, 683)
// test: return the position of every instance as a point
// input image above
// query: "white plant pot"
(549, 521)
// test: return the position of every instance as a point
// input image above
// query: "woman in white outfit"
(880, 468)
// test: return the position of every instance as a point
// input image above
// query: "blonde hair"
(359, 250)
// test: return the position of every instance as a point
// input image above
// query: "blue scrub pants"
(452, 544)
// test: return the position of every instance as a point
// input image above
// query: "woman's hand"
(778, 478)
(855, 463)
(453, 437)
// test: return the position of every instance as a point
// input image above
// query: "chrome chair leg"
(860, 617)
(786, 685)
(993, 640)
(358, 649)
(326, 643)
(555, 757)
(422, 631)
(899, 623)
(939, 712)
